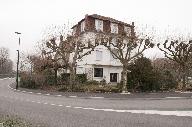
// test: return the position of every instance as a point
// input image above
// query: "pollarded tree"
(69, 50)
(125, 49)
(179, 52)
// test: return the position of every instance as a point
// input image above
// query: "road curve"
(57, 111)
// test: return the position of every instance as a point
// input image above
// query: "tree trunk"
(72, 78)
(55, 76)
(184, 78)
(124, 80)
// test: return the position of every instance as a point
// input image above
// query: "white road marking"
(39, 93)
(53, 104)
(175, 97)
(68, 106)
(73, 96)
(30, 92)
(60, 105)
(151, 112)
(47, 94)
(77, 107)
(39, 102)
(88, 108)
(58, 95)
(45, 103)
(23, 91)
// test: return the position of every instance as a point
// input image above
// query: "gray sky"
(31, 17)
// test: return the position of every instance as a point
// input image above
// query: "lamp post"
(17, 78)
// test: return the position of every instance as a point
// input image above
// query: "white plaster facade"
(99, 58)
(100, 64)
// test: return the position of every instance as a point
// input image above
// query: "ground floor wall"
(110, 74)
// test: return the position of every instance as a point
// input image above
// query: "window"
(99, 25)
(98, 72)
(99, 55)
(127, 30)
(114, 28)
(82, 26)
(113, 77)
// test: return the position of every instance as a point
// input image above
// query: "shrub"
(101, 89)
(31, 81)
(65, 78)
(80, 78)
(92, 82)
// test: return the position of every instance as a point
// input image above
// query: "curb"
(94, 97)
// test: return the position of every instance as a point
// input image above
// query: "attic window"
(114, 28)
(82, 26)
(99, 25)
(127, 30)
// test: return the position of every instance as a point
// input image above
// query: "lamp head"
(17, 33)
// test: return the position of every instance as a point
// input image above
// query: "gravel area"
(14, 121)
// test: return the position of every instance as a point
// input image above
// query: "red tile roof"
(96, 16)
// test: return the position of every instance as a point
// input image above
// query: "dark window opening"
(98, 72)
(113, 77)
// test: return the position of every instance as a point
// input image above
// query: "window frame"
(82, 26)
(126, 28)
(114, 25)
(95, 75)
(97, 25)
(97, 55)
(114, 77)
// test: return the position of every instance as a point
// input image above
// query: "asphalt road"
(61, 111)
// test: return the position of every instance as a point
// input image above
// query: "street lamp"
(17, 78)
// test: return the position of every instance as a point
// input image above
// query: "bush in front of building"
(36, 81)
(80, 78)
(31, 82)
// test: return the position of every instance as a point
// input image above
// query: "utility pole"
(17, 77)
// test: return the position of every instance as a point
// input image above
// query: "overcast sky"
(31, 17)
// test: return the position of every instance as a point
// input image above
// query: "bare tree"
(179, 52)
(4, 59)
(125, 49)
(69, 50)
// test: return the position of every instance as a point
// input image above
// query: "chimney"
(86, 21)
(133, 24)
